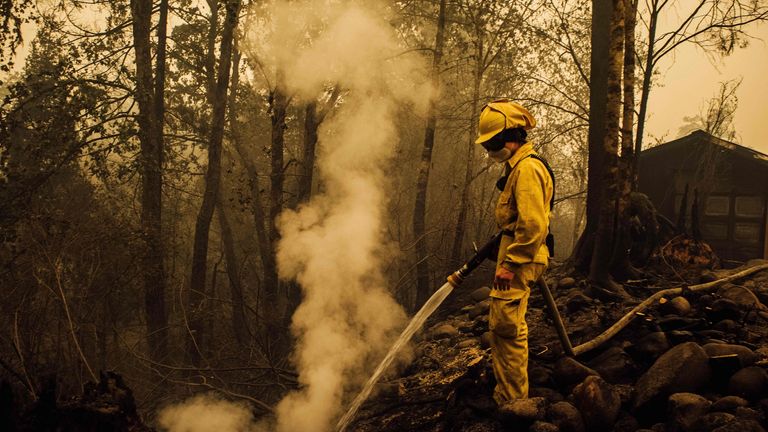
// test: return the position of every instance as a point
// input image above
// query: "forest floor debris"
(693, 362)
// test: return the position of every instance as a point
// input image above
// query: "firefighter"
(522, 213)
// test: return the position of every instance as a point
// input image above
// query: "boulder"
(576, 300)
(739, 425)
(650, 346)
(540, 426)
(480, 294)
(722, 309)
(566, 417)
(747, 413)
(729, 403)
(683, 368)
(485, 340)
(480, 308)
(598, 403)
(569, 372)
(740, 295)
(566, 283)
(614, 365)
(713, 421)
(677, 337)
(684, 410)
(675, 306)
(748, 383)
(746, 355)
(523, 410)
(549, 394)
(626, 423)
(444, 331)
(727, 326)
(467, 343)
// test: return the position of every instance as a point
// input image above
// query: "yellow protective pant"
(509, 341)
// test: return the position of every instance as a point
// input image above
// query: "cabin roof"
(700, 135)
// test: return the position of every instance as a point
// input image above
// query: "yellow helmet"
(502, 114)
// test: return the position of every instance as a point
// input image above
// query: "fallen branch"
(626, 319)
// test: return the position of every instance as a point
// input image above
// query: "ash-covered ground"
(695, 362)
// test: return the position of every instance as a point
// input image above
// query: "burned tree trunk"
(598, 96)
(149, 97)
(423, 286)
(599, 270)
(621, 267)
(197, 340)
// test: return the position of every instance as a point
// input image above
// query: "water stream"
(416, 322)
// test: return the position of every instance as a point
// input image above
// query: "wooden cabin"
(732, 185)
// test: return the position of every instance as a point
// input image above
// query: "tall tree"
(150, 99)
(423, 286)
(198, 340)
(599, 271)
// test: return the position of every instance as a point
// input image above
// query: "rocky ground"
(696, 362)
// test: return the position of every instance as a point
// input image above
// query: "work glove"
(503, 279)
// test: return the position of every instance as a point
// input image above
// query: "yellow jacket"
(523, 209)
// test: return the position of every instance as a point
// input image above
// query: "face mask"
(501, 155)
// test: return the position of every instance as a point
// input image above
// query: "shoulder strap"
(551, 174)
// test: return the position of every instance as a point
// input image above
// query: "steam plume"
(332, 246)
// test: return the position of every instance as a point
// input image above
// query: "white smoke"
(333, 246)
(206, 413)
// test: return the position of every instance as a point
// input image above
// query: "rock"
(539, 375)
(625, 391)
(566, 283)
(650, 346)
(598, 403)
(675, 306)
(614, 365)
(540, 426)
(626, 423)
(576, 300)
(480, 294)
(713, 421)
(387, 389)
(683, 368)
(485, 340)
(743, 297)
(523, 410)
(748, 383)
(480, 309)
(727, 326)
(746, 355)
(676, 322)
(722, 309)
(708, 276)
(569, 372)
(706, 299)
(680, 336)
(740, 426)
(467, 343)
(480, 325)
(444, 331)
(566, 417)
(549, 394)
(748, 413)
(729, 403)
(684, 410)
